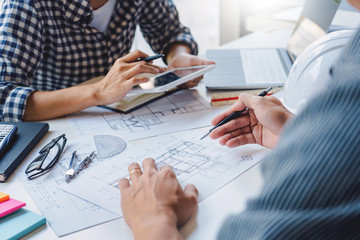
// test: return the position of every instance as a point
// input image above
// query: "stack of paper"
(16, 222)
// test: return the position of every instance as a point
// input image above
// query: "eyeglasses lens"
(46, 160)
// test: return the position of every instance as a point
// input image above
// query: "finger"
(161, 69)
(149, 65)
(167, 170)
(134, 172)
(192, 83)
(221, 116)
(230, 127)
(238, 137)
(227, 137)
(141, 68)
(241, 140)
(188, 84)
(200, 61)
(208, 62)
(195, 81)
(124, 184)
(137, 80)
(131, 57)
(149, 165)
(191, 191)
(189, 204)
(198, 79)
(126, 66)
(245, 100)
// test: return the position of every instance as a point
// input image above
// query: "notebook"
(27, 136)
(10, 206)
(20, 223)
(132, 102)
(262, 68)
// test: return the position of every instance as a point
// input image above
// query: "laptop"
(270, 67)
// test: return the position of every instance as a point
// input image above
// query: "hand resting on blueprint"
(155, 203)
(261, 124)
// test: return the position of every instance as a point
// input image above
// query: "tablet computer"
(171, 79)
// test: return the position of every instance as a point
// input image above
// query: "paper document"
(180, 111)
(204, 163)
(64, 212)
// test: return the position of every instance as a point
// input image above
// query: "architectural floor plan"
(182, 110)
(204, 163)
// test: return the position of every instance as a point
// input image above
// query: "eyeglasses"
(49, 155)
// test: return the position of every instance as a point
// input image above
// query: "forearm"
(42, 105)
(114, 86)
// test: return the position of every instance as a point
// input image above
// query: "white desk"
(231, 199)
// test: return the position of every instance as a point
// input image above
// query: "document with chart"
(206, 164)
(180, 111)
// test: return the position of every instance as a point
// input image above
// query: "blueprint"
(64, 212)
(180, 111)
(204, 163)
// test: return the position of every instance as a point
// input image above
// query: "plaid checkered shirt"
(50, 45)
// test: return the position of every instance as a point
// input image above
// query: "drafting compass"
(72, 171)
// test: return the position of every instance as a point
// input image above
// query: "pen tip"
(205, 136)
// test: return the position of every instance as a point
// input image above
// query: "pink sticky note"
(10, 206)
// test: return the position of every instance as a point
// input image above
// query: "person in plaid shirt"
(48, 47)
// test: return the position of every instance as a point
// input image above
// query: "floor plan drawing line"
(186, 160)
(134, 123)
(164, 116)
(205, 164)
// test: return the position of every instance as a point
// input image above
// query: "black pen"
(235, 114)
(149, 59)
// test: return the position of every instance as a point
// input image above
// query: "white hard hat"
(311, 70)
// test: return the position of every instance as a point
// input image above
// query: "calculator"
(7, 133)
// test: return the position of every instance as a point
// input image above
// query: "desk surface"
(230, 199)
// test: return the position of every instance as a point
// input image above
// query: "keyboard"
(262, 66)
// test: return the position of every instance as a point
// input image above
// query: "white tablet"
(171, 79)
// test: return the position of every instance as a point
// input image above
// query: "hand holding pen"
(261, 121)
(234, 114)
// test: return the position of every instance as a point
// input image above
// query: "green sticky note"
(20, 223)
